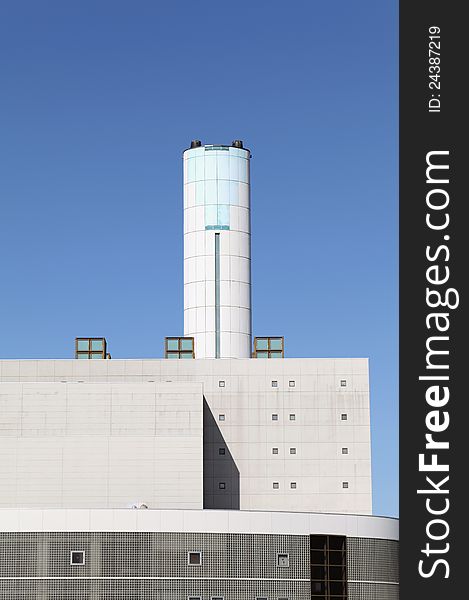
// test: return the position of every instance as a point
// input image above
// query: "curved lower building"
(196, 555)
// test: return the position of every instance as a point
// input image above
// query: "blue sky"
(97, 101)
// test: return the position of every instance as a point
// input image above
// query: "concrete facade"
(267, 424)
(77, 444)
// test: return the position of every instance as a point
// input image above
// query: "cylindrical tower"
(217, 250)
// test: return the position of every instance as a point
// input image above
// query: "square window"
(292, 450)
(276, 344)
(221, 384)
(274, 450)
(262, 344)
(97, 345)
(221, 417)
(274, 417)
(221, 450)
(194, 558)
(96, 355)
(222, 485)
(283, 559)
(262, 354)
(187, 344)
(293, 485)
(343, 382)
(172, 344)
(83, 345)
(275, 485)
(343, 416)
(292, 417)
(274, 354)
(274, 383)
(291, 384)
(344, 450)
(345, 484)
(77, 557)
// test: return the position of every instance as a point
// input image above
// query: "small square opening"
(221, 450)
(291, 384)
(274, 417)
(77, 557)
(194, 558)
(221, 384)
(283, 559)
(343, 416)
(221, 417)
(345, 484)
(274, 383)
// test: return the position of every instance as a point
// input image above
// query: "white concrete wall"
(100, 444)
(248, 401)
(198, 521)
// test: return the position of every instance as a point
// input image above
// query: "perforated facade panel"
(144, 565)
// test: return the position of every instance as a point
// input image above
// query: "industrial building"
(222, 471)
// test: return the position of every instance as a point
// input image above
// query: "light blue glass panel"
(210, 167)
(196, 151)
(190, 170)
(234, 168)
(223, 191)
(262, 344)
(172, 344)
(223, 215)
(200, 168)
(82, 345)
(97, 355)
(275, 344)
(262, 355)
(187, 344)
(211, 215)
(234, 193)
(185, 355)
(211, 192)
(97, 345)
(200, 193)
(275, 355)
(223, 166)
(172, 355)
(82, 356)
(243, 170)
